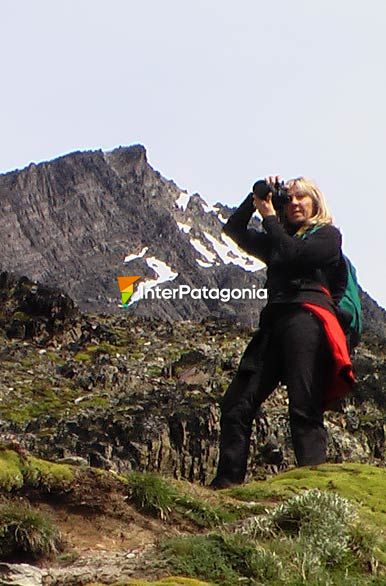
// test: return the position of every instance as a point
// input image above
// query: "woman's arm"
(319, 249)
(254, 242)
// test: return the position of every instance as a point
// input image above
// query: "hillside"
(126, 392)
(78, 525)
(126, 410)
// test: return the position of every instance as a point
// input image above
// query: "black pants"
(291, 349)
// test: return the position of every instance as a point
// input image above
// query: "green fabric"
(350, 300)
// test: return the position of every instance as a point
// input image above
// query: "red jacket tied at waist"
(342, 376)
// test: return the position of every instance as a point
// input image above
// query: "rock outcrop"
(134, 393)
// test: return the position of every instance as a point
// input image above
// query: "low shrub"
(322, 531)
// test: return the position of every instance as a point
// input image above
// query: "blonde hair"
(305, 186)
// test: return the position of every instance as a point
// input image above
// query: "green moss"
(96, 402)
(30, 360)
(11, 476)
(40, 400)
(21, 316)
(105, 348)
(47, 475)
(16, 472)
(91, 351)
(135, 355)
(154, 370)
(54, 357)
(170, 581)
(361, 483)
(13, 411)
(82, 356)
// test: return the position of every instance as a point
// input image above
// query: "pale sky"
(220, 93)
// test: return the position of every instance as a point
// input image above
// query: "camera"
(279, 192)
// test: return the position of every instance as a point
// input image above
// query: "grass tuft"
(26, 533)
(150, 493)
(154, 495)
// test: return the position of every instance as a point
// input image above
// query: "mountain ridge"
(72, 222)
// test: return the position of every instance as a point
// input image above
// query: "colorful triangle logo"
(126, 287)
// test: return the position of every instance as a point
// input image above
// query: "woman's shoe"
(218, 483)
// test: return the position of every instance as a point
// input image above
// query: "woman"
(299, 341)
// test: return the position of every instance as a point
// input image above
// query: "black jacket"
(297, 269)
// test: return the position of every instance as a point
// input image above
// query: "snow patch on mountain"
(208, 207)
(183, 200)
(204, 265)
(184, 227)
(198, 245)
(131, 257)
(230, 253)
(164, 272)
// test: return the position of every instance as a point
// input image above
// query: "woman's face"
(301, 207)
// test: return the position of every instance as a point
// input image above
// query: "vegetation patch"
(202, 513)
(151, 494)
(313, 538)
(21, 316)
(105, 348)
(82, 356)
(361, 483)
(178, 581)
(40, 400)
(48, 476)
(169, 581)
(321, 522)
(92, 351)
(11, 475)
(17, 472)
(224, 559)
(154, 495)
(26, 533)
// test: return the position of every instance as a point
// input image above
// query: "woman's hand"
(265, 206)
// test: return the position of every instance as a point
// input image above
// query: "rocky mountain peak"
(80, 221)
(128, 161)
